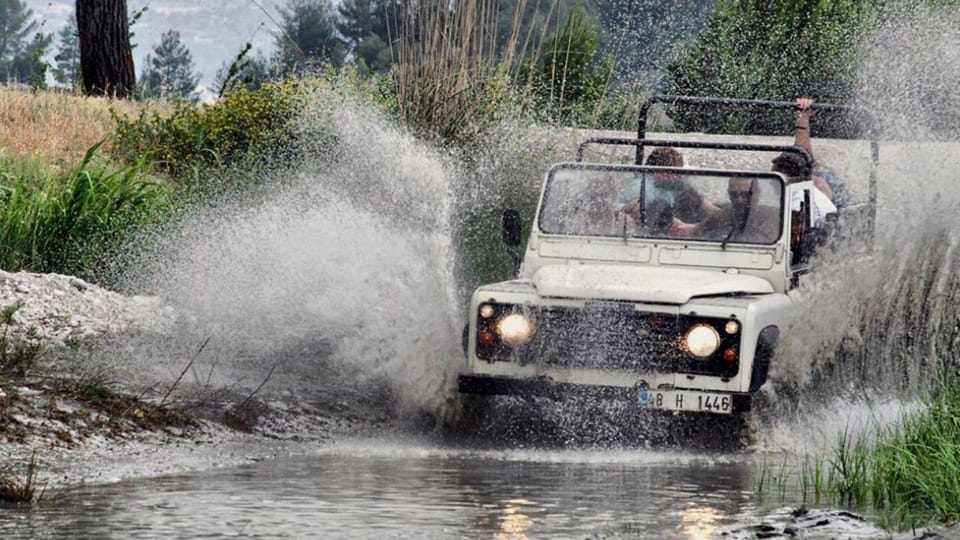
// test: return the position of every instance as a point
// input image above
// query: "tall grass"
(57, 126)
(907, 475)
(451, 76)
(914, 474)
(72, 222)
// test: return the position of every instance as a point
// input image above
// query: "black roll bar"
(640, 143)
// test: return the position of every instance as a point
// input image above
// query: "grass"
(14, 489)
(71, 222)
(58, 127)
(907, 475)
(914, 469)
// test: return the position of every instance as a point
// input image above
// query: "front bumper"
(497, 385)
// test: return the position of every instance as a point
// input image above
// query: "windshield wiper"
(733, 229)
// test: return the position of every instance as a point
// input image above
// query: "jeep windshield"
(650, 202)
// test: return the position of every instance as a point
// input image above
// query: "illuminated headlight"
(732, 327)
(514, 329)
(702, 340)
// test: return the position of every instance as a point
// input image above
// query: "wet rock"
(804, 523)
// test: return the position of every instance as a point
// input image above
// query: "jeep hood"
(661, 285)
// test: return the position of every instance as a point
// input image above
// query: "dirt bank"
(87, 420)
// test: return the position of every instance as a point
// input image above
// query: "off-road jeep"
(619, 297)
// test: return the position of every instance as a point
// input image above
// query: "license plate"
(685, 400)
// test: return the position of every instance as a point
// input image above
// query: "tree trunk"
(106, 59)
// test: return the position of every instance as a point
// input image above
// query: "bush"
(243, 127)
(74, 222)
(771, 50)
(571, 80)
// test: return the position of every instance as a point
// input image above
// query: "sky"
(215, 31)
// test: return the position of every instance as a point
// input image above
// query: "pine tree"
(169, 70)
(246, 70)
(67, 70)
(308, 37)
(21, 46)
(106, 59)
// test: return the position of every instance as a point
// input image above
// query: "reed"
(14, 489)
(453, 75)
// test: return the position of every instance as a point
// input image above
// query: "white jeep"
(625, 293)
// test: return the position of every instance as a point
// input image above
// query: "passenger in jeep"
(672, 204)
(747, 219)
(824, 178)
(794, 167)
(599, 215)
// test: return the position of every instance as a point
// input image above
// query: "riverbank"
(89, 421)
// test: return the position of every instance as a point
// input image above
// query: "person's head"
(665, 156)
(791, 165)
(743, 193)
(601, 194)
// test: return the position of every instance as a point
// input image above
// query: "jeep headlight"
(514, 329)
(702, 340)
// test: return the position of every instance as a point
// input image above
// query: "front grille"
(609, 337)
(604, 339)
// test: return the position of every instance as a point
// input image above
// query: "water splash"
(337, 278)
(877, 327)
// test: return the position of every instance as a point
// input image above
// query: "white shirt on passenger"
(821, 206)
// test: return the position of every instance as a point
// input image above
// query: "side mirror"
(511, 228)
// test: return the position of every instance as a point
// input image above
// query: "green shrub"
(74, 222)
(771, 50)
(571, 80)
(243, 127)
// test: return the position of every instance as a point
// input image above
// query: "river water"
(376, 489)
(373, 488)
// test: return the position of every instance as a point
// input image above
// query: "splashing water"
(875, 329)
(348, 275)
(338, 281)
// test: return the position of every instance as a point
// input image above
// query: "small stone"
(79, 284)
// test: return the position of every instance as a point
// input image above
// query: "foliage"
(571, 78)
(249, 72)
(243, 126)
(642, 34)
(169, 73)
(308, 37)
(76, 222)
(21, 57)
(365, 30)
(770, 50)
(67, 69)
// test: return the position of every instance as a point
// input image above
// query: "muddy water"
(378, 489)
